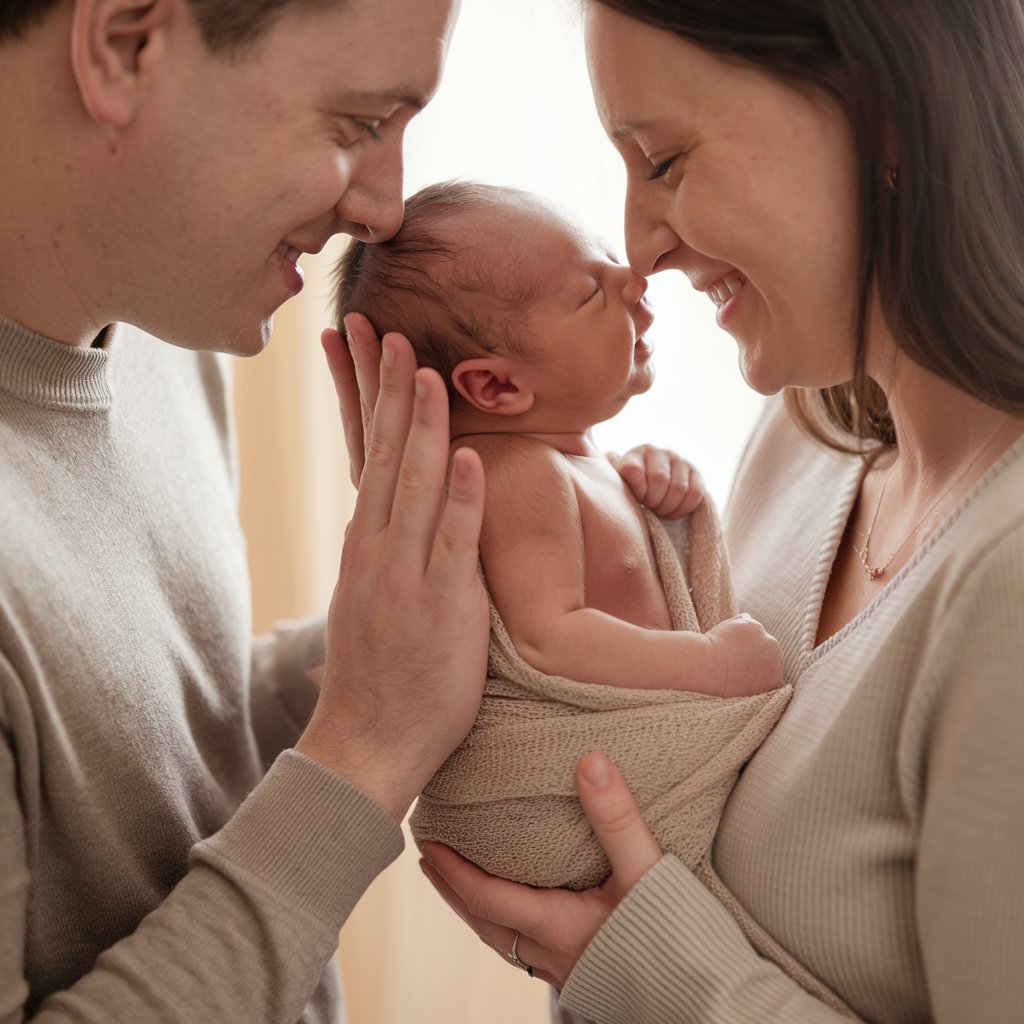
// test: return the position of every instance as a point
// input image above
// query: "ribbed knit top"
(878, 833)
(149, 870)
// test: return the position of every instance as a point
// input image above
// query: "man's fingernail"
(388, 356)
(595, 771)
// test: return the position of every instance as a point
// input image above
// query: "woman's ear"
(116, 47)
(493, 385)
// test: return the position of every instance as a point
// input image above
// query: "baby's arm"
(532, 548)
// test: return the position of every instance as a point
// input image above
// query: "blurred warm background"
(514, 109)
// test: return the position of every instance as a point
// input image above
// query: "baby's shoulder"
(520, 471)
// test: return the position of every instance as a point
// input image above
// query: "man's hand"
(354, 360)
(408, 624)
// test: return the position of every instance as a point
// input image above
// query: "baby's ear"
(493, 385)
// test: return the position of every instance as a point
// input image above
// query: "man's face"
(245, 161)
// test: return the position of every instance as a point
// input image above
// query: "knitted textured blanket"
(506, 798)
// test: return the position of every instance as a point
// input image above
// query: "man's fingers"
(387, 439)
(455, 553)
(616, 821)
(421, 480)
(365, 349)
(343, 373)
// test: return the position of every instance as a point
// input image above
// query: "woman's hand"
(661, 480)
(355, 368)
(554, 925)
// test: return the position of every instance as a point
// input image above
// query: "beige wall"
(405, 957)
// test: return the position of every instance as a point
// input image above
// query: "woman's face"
(746, 185)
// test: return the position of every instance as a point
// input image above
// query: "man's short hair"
(225, 24)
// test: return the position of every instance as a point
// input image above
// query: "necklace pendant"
(873, 573)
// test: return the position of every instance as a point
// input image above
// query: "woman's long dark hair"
(941, 83)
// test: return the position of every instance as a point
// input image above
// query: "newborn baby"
(609, 630)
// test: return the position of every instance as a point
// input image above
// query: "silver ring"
(514, 955)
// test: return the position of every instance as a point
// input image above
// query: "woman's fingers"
(615, 818)
(491, 906)
(343, 373)
(499, 937)
(555, 925)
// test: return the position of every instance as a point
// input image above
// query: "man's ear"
(115, 46)
(492, 384)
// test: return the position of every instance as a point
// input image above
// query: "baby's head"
(441, 281)
(513, 302)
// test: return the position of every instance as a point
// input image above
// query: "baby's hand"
(661, 480)
(749, 660)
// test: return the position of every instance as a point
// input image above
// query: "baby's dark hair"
(450, 301)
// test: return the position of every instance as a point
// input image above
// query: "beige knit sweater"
(878, 833)
(136, 714)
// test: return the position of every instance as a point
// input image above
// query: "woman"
(843, 180)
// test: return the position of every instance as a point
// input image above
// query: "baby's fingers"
(685, 491)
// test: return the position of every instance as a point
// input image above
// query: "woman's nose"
(649, 236)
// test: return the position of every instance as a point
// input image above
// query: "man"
(167, 164)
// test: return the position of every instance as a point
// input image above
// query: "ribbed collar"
(44, 372)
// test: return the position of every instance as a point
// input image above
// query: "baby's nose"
(635, 287)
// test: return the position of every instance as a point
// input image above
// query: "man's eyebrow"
(402, 96)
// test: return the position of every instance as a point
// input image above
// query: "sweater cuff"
(658, 954)
(309, 836)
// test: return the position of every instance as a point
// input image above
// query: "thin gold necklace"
(875, 571)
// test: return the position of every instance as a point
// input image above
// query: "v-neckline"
(809, 650)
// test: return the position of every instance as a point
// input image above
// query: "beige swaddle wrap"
(506, 798)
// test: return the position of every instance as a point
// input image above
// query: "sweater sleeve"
(670, 952)
(282, 694)
(245, 935)
(970, 870)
